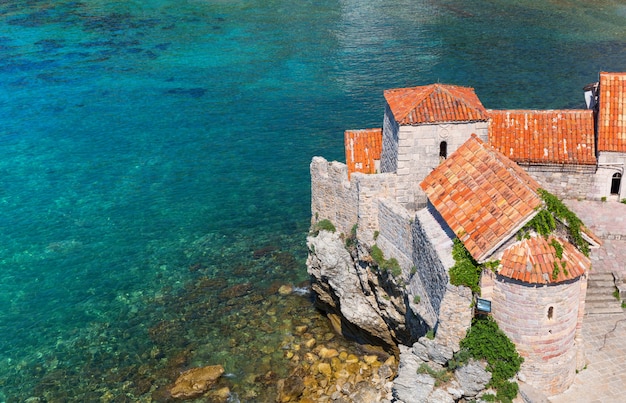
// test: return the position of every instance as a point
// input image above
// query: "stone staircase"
(600, 295)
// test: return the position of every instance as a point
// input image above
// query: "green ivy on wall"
(544, 222)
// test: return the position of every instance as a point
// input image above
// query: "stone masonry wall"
(610, 163)
(370, 189)
(565, 185)
(396, 241)
(542, 322)
(432, 255)
(332, 196)
(423, 249)
(389, 155)
(418, 155)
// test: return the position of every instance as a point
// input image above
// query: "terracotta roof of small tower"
(483, 196)
(535, 261)
(363, 148)
(435, 103)
(544, 137)
(612, 114)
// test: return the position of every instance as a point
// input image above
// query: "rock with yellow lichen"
(196, 381)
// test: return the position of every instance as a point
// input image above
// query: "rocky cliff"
(375, 305)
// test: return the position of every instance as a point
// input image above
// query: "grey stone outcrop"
(338, 287)
(436, 352)
(472, 377)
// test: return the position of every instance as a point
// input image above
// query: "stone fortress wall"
(420, 241)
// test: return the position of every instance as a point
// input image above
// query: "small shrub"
(393, 265)
(430, 335)
(323, 225)
(488, 397)
(413, 270)
(623, 201)
(441, 377)
(507, 391)
(377, 254)
(376, 233)
(616, 294)
(385, 264)
(417, 299)
(351, 239)
(603, 199)
(459, 359)
(623, 304)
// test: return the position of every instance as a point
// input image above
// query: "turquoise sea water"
(154, 157)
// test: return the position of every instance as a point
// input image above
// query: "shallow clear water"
(154, 162)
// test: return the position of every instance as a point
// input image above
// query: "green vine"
(485, 341)
(555, 270)
(466, 270)
(558, 248)
(544, 222)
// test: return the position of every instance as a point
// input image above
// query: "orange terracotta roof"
(544, 137)
(435, 103)
(534, 261)
(483, 196)
(612, 114)
(363, 148)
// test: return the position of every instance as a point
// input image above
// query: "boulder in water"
(196, 381)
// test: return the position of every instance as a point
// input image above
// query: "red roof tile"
(483, 196)
(544, 137)
(534, 261)
(612, 115)
(435, 103)
(363, 148)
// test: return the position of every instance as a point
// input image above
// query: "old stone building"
(537, 291)
(480, 171)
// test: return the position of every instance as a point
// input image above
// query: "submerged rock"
(196, 381)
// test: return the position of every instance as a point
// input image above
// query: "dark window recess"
(616, 183)
(550, 312)
(443, 150)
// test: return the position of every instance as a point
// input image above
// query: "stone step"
(599, 292)
(601, 277)
(591, 309)
(600, 299)
(598, 274)
(600, 284)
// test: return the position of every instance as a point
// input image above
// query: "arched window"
(616, 183)
(443, 150)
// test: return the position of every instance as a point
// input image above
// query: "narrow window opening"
(550, 312)
(443, 150)
(616, 183)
